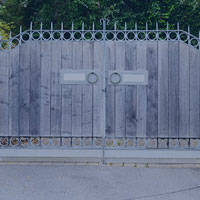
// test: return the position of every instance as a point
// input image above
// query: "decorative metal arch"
(99, 35)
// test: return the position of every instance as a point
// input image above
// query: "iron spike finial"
(157, 25)
(125, 26)
(135, 25)
(20, 29)
(83, 26)
(178, 26)
(51, 26)
(72, 26)
(167, 26)
(188, 29)
(115, 26)
(146, 26)
(0, 38)
(41, 26)
(31, 26)
(93, 26)
(62, 26)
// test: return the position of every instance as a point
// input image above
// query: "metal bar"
(104, 23)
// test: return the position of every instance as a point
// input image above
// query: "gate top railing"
(99, 35)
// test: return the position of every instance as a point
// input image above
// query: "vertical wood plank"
(120, 125)
(131, 91)
(66, 125)
(163, 103)
(56, 89)
(110, 90)
(183, 90)
(35, 81)
(88, 55)
(14, 93)
(24, 59)
(152, 96)
(77, 90)
(173, 88)
(194, 93)
(141, 91)
(97, 90)
(45, 88)
(4, 94)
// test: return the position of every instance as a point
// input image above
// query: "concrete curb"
(95, 156)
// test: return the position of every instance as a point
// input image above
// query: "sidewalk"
(42, 181)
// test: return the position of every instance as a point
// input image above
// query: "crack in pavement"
(167, 193)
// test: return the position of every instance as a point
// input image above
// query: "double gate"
(100, 88)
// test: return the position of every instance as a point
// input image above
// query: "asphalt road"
(65, 182)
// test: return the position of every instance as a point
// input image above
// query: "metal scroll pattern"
(99, 35)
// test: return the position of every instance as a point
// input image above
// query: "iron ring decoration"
(115, 78)
(92, 78)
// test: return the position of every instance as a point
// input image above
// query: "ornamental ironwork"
(100, 34)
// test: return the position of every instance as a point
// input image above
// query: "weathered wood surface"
(141, 91)
(87, 93)
(66, 116)
(152, 94)
(4, 94)
(45, 115)
(131, 91)
(98, 111)
(24, 88)
(35, 81)
(120, 121)
(110, 90)
(183, 97)
(14, 93)
(194, 93)
(163, 90)
(33, 101)
(77, 90)
(173, 88)
(56, 88)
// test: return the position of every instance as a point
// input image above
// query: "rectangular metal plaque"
(79, 76)
(131, 77)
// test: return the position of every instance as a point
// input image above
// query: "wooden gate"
(100, 89)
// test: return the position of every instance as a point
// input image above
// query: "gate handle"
(92, 77)
(115, 78)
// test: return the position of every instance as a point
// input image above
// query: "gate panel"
(77, 91)
(131, 91)
(24, 88)
(110, 92)
(194, 93)
(163, 90)
(183, 91)
(14, 93)
(66, 116)
(173, 88)
(45, 115)
(35, 93)
(152, 94)
(4, 84)
(136, 86)
(84, 105)
(98, 113)
(88, 64)
(56, 88)
(120, 93)
(141, 91)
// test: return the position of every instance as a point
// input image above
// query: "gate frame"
(80, 35)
